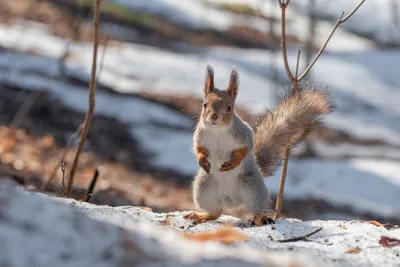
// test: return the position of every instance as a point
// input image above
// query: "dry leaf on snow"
(376, 223)
(225, 235)
(146, 208)
(355, 250)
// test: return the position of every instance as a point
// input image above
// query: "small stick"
(300, 238)
(63, 176)
(62, 158)
(24, 109)
(89, 192)
(103, 56)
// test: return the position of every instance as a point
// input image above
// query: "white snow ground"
(37, 230)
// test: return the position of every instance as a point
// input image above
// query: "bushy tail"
(287, 125)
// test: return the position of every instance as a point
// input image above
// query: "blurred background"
(151, 66)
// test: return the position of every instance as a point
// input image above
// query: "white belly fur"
(220, 146)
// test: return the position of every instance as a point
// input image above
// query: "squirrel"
(234, 158)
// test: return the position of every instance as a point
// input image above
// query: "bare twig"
(295, 80)
(24, 109)
(63, 176)
(76, 28)
(90, 189)
(62, 158)
(103, 56)
(92, 91)
(300, 238)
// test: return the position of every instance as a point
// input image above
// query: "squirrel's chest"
(220, 147)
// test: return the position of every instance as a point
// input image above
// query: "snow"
(365, 185)
(345, 150)
(200, 15)
(132, 235)
(37, 230)
(374, 18)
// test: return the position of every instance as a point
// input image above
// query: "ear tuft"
(209, 81)
(233, 86)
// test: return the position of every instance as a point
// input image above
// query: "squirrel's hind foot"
(261, 219)
(199, 217)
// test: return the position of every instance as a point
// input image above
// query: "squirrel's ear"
(209, 82)
(233, 86)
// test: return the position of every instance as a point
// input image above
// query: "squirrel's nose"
(214, 116)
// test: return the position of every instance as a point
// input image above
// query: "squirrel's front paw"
(227, 166)
(197, 218)
(262, 219)
(205, 164)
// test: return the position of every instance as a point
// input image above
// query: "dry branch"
(63, 165)
(90, 189)
(92, 91)
(295, 80)
(62, 158)
(24, 109)
(300, 238)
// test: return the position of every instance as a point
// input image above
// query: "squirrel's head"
(218, 106)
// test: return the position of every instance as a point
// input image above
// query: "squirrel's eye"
(205, 105)
(229, 108)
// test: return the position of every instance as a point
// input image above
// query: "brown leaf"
(146, 208)
(225, 235)
(376, 223)
(355, 250)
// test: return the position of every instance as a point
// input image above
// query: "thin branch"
(63, 165)
(337, 24)
(90, 189)
(279, 200)
(92, 92)
(283, 39)
(352, 12)
(24, 109)
(300, 238)
(294, 85)
(103, 56)
(62, 158)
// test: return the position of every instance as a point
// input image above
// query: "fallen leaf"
(146, 208)
(225, 235)
(376, 223)
(355, 250)
(389, 242)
